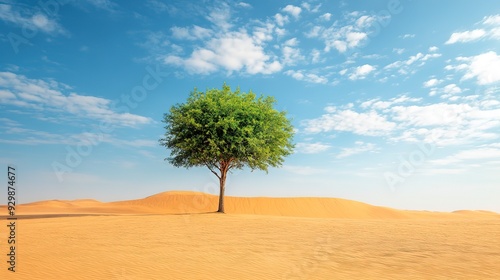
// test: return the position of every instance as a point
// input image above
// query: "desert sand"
(176, 235)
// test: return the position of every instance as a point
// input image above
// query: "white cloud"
(24, 136)
(4, 95)
(447, 124)
(314, 32)
(369, 123)
(377, 104)
(103, 4)
(291, 42)
(193, 33)
(431, 115)
(466, 36)
(467, 119)
(293, 10)
(353, 33)
(431, 55)
(291, 56)
(244, 5)
(398, 50)
(43, 95)
(280, 19)
(341, 46)
(326, 16)
(433, 49)
(432, 82)
(361, 72)
(354, 38)
(8, 123)
(220, 16)
(360, 147)
(452, 89)
(492, 20)
(264, 33)
(373, 56)
(308, 77)
(491, 30)
(407, 36)
(495, 33)
(481, 154)
(315, 54)
(309, 8)
(234, 51)
(30, 20)
(311, 148)
(365, 21)
(158, 6)
(484, 67)
(280, 32)
(405, 67)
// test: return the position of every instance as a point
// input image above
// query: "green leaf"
(222, 127)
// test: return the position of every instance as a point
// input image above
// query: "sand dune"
(228, 247)
(182, 202)
(259, 238)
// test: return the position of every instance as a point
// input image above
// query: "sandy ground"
(463, 245)
(184, 202)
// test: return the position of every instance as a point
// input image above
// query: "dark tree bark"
(221, 195)
(224, 168)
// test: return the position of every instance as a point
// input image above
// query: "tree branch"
(229, 164)
(211, 170)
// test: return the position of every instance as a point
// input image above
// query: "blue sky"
(395, 103)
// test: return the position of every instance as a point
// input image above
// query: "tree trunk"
(222, 182)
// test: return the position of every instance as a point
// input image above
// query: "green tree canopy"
(223, 130)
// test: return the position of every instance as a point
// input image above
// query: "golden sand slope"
(178, 202)
(290, 238)
(223, 247)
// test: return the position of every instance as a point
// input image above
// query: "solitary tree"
(224, 130)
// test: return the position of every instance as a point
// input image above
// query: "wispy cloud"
(410, 66)
(220, 16)
(458, 121)
(359, 147)
(466, 36)
(484, 67)
(311, 148)
(303, 75)
(361, 72)
(31, 19)
(361, 123)
(23, 136)
(106, 5)
(191, 33)
(292, 10)
(244, 5)
(481, 155)
(51, 96)
(304, 170)
(326, 16)
(407, 36)
(344, 38)
(432, 82)
(377, 104)
(490, 30)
